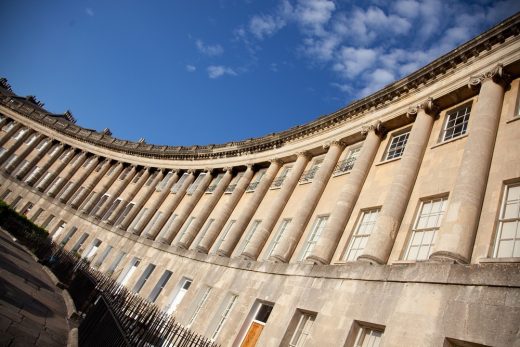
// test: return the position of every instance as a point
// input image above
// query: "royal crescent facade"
(394, 221)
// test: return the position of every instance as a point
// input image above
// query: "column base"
(277, 259)
(163, 241)
(182, 245)
(316, 260)
(222, 253)
(448, 257)
(201, 249)
(248, 256)
(370, 259)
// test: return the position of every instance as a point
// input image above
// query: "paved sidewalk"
(32, 310)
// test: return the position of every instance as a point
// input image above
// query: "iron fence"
(111, 315)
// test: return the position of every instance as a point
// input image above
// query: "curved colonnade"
(386, 213)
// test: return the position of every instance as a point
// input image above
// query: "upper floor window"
(363, 230)
(151, 178)
(125, 173)
(507, 244)
(348, 163)
(138, 175)
(277, 183)
(309, 174)
(279, 234)
(214, 183)
(249, 236)
(233, 184)
(427, 222)
(397, 144)
(193, 187)
(314, 236)
(258, 177)
(161, 185)
(180, 182)
(456, 122)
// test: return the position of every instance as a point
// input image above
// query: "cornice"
(31, 108)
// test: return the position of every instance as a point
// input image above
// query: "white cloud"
(353, 61)
(265, 25)
(407, 8)
(313, 15)
(216, 71)
(89, 12)
(190, 68)
(371, 45)
(376, 80)
(210, 50)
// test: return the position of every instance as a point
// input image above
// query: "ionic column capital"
(337, 143)
(376, 127)
(228, 169)
(429, 106)
(304, 154)
(276, 161)
(496, 74)
(209, 170)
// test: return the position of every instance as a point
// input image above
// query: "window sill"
(514, 119)
(306, 182)
(275, 188)
(449, 141)
(388, 161)
(341, 173)
(499, 260)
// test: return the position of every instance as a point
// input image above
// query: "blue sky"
(201, 72)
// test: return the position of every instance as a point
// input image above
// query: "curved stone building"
(393, 221)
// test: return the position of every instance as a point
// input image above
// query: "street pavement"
(32, 309)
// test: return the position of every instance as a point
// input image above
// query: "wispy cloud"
(191, 68)
(370, 46)
(89, 12)
(209, 50)
(216, 71)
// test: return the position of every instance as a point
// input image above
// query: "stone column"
(141, 201)
(185, 212)
(32, 163)
(326, 245)
(249, 210)
(115, 190)
(93, 162)
(168, 209)
(284, 250)
(381, 241)
(206, 210)
(103, 189)
(33, 178)
(225, 211)
(91, 183)
(10, 133)
(47, 180)
(12, 165)
(456, 236)
(263, 231)
(66, 175)
(7, 154)
(131, 194)
(155, 204)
